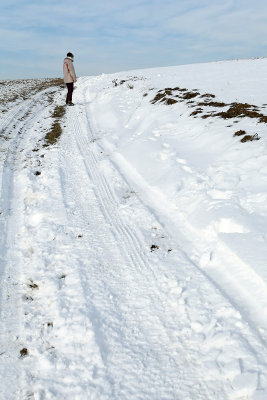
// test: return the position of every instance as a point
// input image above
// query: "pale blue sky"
(114, 35)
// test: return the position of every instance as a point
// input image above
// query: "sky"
(116, 35)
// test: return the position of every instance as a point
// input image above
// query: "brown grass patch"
(163, 95)
(53, 135)
(59, 112)
(250, 138)
(235, 110)
(160, 96)
(212, 104)
(246, 138)
(24, 352)
(190, 95)
(199, 111)
(205, 116)
(239, 110)
(55, 132)
(154, 247)
(170, 101)
(240, 133)
(208, 95)
(33, 285)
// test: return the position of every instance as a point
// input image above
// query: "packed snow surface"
(134, 245)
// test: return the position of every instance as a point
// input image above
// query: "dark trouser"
(69, 94)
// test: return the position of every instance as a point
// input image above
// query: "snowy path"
(101, 314)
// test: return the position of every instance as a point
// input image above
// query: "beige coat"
(69, 71)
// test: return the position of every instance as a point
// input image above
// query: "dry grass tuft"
(212, 104)
(240, 133)
(208, 95)
(53, 135)
(235, 110)
(198, 111)
(154, 247)
(55, 132)
(240, 110)
(59, 112)
(250, 138)
(24, 352)
(170, 101)
(190, 95)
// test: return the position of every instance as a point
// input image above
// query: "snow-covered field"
(134, 247)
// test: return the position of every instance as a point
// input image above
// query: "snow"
(133, 251)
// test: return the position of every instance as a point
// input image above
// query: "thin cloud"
(137, 34)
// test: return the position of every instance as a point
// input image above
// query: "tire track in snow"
(85, 139)
(64, 355)
(16, 125)
(38, 317)
(141, 280)
(207, 250)
(236, 277)
(231, 275)
(9, 120)
(126, 255)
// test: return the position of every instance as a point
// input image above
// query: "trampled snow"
(134, 248)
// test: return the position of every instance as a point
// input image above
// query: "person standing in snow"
(69, 77)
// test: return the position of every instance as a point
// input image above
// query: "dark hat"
(70, 55)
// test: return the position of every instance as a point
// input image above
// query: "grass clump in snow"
(59, 112)
(53, 135)
(212, 104)
(240, 110)
(24, 352)
(235, 110)
(197, 111)
(190, 95)
(163, 95)
(32, 285)
(55, 132)
(131, 79)
(208, 95)
(170, 101)
(241, 132)
(154, 247)
(250, 138)
(246, 138)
